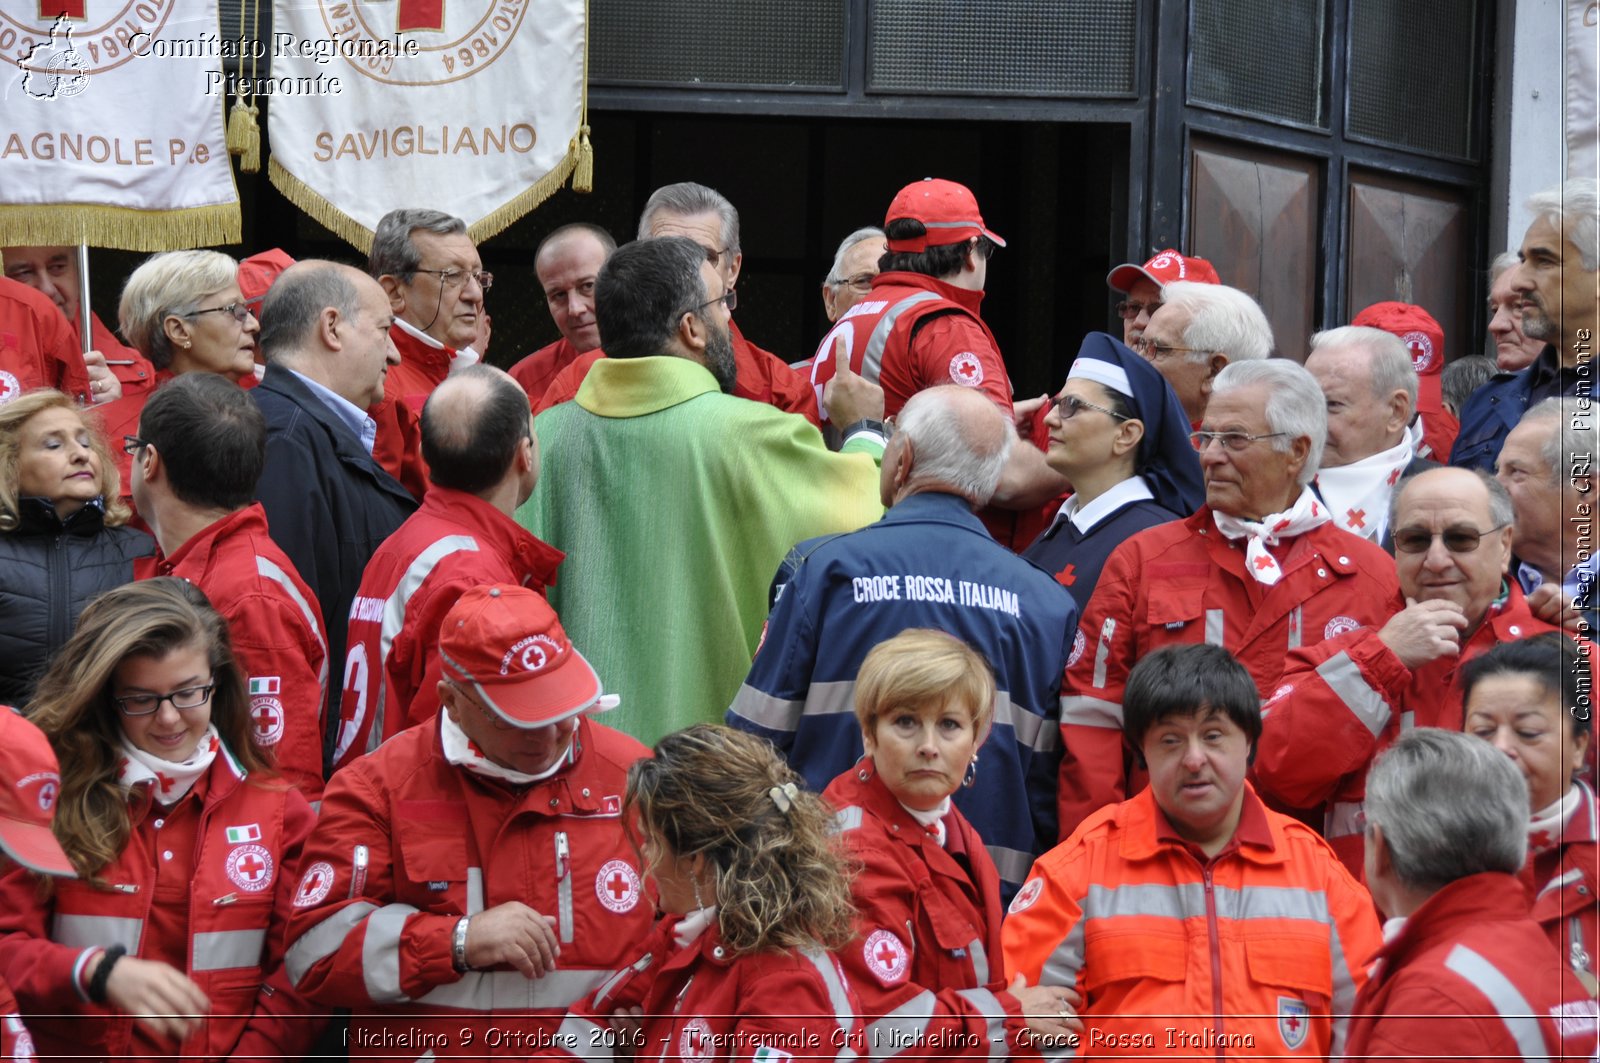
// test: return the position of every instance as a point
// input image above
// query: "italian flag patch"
(250, 832)
(263, 684)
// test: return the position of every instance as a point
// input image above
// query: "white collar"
(1084, 518)
(459, 359)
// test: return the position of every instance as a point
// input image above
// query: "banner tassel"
(244, 135)
(583, 171)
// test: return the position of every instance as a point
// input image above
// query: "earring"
(695, 882)
(186, 345)
(972, 774)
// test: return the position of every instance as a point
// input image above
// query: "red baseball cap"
(30, 782)
(1423, 337)
(1165, 267)
(508, 645)
(948, 210)
(257, 273)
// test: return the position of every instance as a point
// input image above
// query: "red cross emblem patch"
(250, 868)
(314, 884)
(886, 957)
(617, 886)
(266, 720)
(1026, 895)
(10, 387)
(966, 370)
(1293, 1022)
(696, 1043)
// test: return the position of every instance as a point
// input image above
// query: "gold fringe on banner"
(23, 224)
(583, 173)
(518, 205)
(244, 135)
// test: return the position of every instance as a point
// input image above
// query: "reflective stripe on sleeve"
(1091, 712)
(872, 357)
(380, 953)
(994, 1018)
(324, 939)
(1102, 652)
(82, 931)
(1061, 967)
(844, 1013)
(902, 1028)
(774, 714)
(980, 961)
(1512, 1007)
(1344, 678)
(1013, 864)
(1296, 627)
(1344, 992)
(1215, 626)
(220, 950)
(268, 570)
(490, 991)
(583, 1039)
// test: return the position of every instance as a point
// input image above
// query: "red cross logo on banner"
(1358, 518)
(75, 9)
(1065, 577)
(419, 15)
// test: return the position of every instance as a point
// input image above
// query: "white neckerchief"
(1357, 495)
(171, 779)
(931, 820)
(687, 931)
(1546, 826)
(1392, 928)
(459, 359)
(1084, 518)
(459, 750)
(1305, 514)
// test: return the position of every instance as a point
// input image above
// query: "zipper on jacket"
(1216, 957)
(1576, 952)
(61, 597)
(125, 887)
(564, 885)
(227, 898)
(358, 871)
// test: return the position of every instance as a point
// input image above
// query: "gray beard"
(719, 359)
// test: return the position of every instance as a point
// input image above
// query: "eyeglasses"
(494, 719)
(1070, 406)
(1234, 441)
(1127, 310)
(239, 311)
(452, 279)
(1458, 539)
(133, 444)
(145, 704)
(861, 282)
(729, 298)
(1154, 351)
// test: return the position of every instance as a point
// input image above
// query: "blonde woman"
(928, 892)
(63, 531)
(755, 894)
(185, 845)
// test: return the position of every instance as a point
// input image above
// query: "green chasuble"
(675, 505)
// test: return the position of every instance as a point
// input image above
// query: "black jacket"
(329, 504)
(49, 570)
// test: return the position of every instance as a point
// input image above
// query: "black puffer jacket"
(49, 570)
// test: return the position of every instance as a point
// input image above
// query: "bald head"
(1433, 517)
(476, 435)
(567, 263)
(948, 439)
(331, 323)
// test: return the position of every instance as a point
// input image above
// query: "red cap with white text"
(1164, 268)
(1423, 337)
(30, 782)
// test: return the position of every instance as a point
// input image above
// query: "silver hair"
(1295, 403)
(393, 252)
(1501, 513)
(1222, 320)
(1390, 364)
(949, 449)
(1570, 450)
(688, 198)
(1575, 208)
(167, 284)
(1450, 805)
(836, 275)
(1502, 262)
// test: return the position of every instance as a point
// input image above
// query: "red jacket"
(406, 387)
(1261, 947)
(1185, 583)
(539, 369)
(138, 380)
(408, 843)
(762, 377)
(240, 878)
(1471, 976)
(391, 673)
(1344, 700)
(1563, 885)
(277, 632)
(16, 1043)
(38, 346)
(928, 930)
(702, 1004)
(914, 332)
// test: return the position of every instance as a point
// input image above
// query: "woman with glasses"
(1119, 435)
(63, 533)
(755, 892)
(170, 941)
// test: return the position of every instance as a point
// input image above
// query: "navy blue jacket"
(928, 563)
(1494, 409)
(328, 503)
(1075, 558)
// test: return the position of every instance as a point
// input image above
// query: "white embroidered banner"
(1582, 75)
(474, 107)
(111, 129)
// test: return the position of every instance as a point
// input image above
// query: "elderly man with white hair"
(928, 563)
(854, 266)
(1260, 570)
(1465, 972)
(1557, 282)
(1371, 387)
(1200, 329)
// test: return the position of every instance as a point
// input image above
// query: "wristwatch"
(458, 944)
